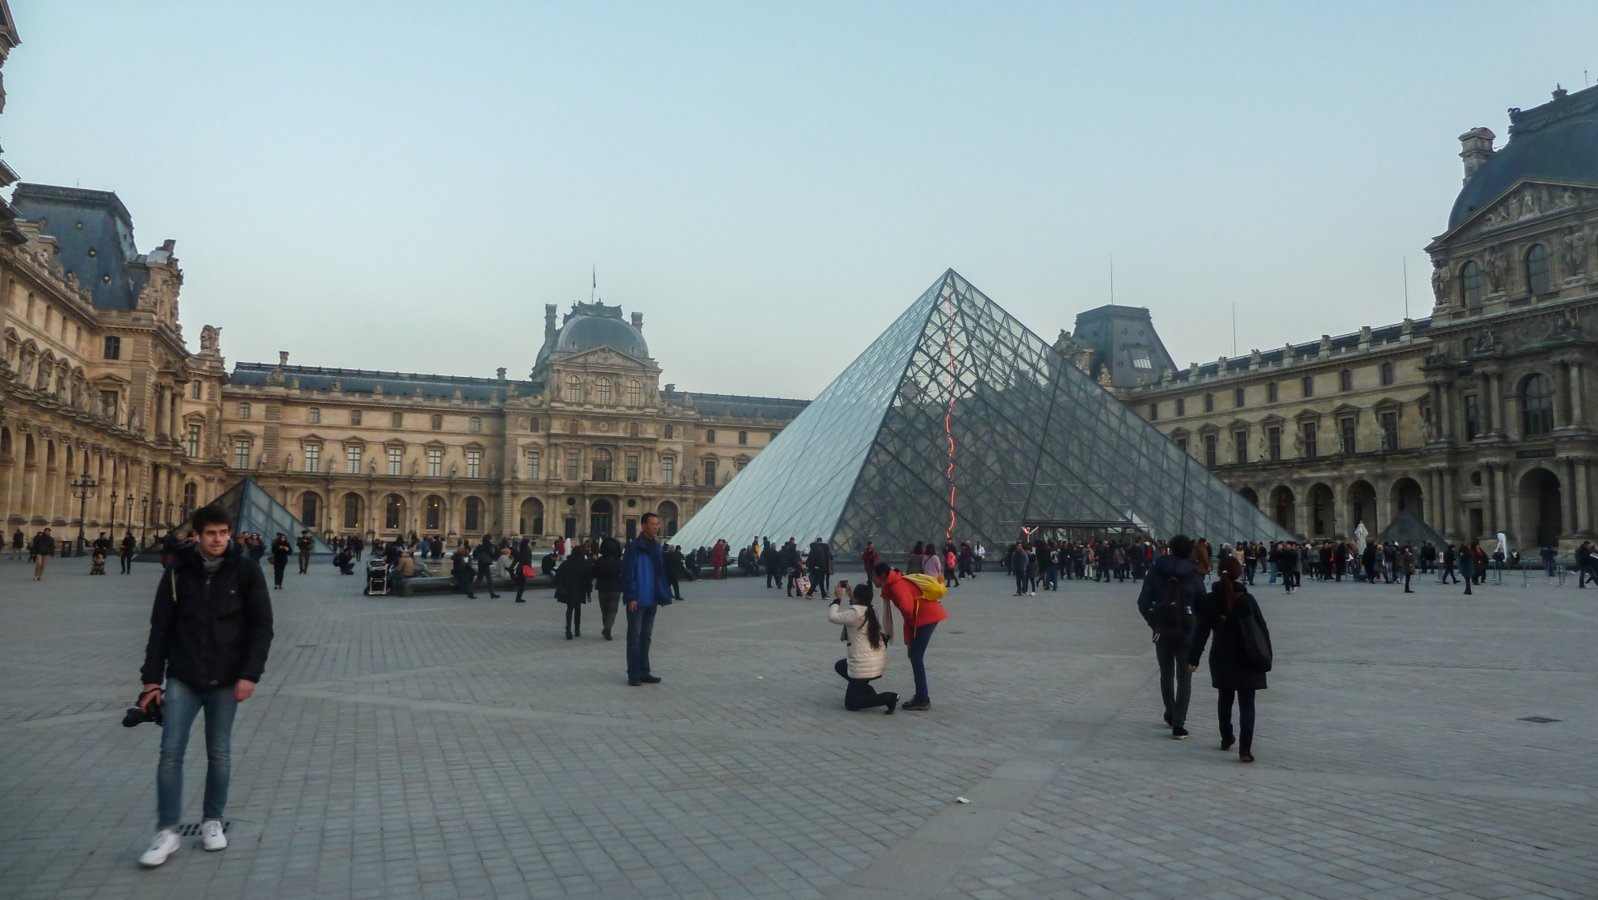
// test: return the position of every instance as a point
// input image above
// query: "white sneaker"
(211, 836)
(165, 844)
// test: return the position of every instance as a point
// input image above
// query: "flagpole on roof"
(594, 283)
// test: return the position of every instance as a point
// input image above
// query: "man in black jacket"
(484, 556)
(210, 632)
(1170, 595)
(42, 548)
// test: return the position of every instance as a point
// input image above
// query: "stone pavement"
(443, 747)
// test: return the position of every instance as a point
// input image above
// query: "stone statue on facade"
(1427, 432)
(209, 337)
(1574, 254)
(1440, 278)
(1495, 271)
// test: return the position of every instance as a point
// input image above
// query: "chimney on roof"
(1476, 147)
(500, 373)
(282, 358)
(638, 322)
(549, 325)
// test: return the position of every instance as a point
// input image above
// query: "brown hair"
(1231, 570)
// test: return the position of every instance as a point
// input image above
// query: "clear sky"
(404, 185)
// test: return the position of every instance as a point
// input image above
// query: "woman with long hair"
(1221, 612)
(868, 648)
(573, 580)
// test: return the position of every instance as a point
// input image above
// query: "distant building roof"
(1124, 340)
(1555, 142)
(365, 381)
(94, 239)
(591, 325)
(736, 405)
(1313, 350)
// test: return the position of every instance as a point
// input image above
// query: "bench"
(439, 584)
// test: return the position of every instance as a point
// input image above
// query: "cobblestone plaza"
(440, 747)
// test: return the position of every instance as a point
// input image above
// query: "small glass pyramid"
(252, 509)
(960, 423)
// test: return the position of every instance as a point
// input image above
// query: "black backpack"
(1172, 617)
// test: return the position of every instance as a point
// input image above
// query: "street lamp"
(144, 516)
(113, 513)
(129, 516)
(82, 487)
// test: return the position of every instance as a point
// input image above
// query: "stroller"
(97, 563)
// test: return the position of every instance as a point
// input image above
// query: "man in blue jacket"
(645, 589)
(1170, 594)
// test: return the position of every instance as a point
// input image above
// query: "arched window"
(1470, 290)
(1345, 380)
(313, 416)
(635, 394)
(310, 510)
(602, 391)
(1537, 280)
(433, 513)
(574, 389)
(393, 510)
(1537, 401)
(475, 426)
(602, 464)
(352, 510)
(474, 515)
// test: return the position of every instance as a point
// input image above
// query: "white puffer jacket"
(864, 662)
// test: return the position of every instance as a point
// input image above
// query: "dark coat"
(1229, 668)
(1170, 567)
(573, 579)
(211, 631)
(607, 574)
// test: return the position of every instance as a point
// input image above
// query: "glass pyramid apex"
(253, 509)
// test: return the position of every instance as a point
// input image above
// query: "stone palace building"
(1475, 420)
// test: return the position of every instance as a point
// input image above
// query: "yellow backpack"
(927, 587)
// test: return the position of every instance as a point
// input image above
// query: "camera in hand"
(134, 715)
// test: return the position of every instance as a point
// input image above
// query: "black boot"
(1245, 748)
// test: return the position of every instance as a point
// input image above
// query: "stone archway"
(1283, 507)
(1540, 510)
(1362, 509)
(1251, 496)
(1406, 494)
(601, 518)
(531, 521)
(668, 518)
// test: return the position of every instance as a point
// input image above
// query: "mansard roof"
(1555, 142)
(1309, 353)
(94, 239)
(365, 381)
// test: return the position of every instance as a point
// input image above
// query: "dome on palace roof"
(591, 325)
(1556, 142)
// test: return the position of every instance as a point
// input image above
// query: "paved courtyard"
(443, 747)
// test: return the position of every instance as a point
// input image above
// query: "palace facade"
(585, 445)
(1475, 420)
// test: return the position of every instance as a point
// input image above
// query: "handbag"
(1256, 643)
(527, 571)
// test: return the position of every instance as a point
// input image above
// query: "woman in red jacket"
(920, 617)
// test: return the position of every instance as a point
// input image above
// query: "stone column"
(1495, 403)
(1439, 417)
(1501, 504)
(1301, 512)
(1578, 415)
(1581, 494)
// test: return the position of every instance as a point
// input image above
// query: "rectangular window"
(1154, 412)
(435, 463)
(1240, 446)
(1209, 450)
(397, 420)
(632, 467)
(396, 460)
(313, 457)
(1347, 428)
(1237, 397)
(1274, 443)
(474, 464)
(1209, 403)
(355, 417)
(535, 460)
(573, 465)
(1308, 386)
(352, 459)
(668, 470)
(195, 388)
(710, 473)
(1181, 406)
(1389, 422)
(1181, 444)
(1472, 417)
(1310, 448)
(1141, 359)
(241, 454)
(113, 348)
(244, 410)
(192, 447)
(1270, 392)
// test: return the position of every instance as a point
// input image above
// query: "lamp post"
(113, 513)
(129, 516)
(144, 516)
(82, 487)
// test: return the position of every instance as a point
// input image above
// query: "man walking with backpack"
(1170, 594)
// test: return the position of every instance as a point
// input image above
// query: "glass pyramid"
(253, 509)
(959, 423)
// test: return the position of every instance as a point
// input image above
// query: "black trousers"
(1245, 710)
(860, 694)
(277, 572)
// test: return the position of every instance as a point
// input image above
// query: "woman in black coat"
(573, 580)
(1219, 613)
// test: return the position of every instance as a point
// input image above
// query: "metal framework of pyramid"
(252, 509)
(959, 422)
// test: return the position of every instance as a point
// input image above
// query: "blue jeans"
(180, 705)
(640, 630)
(918, 652)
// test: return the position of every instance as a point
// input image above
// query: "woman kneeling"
(868, 648)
